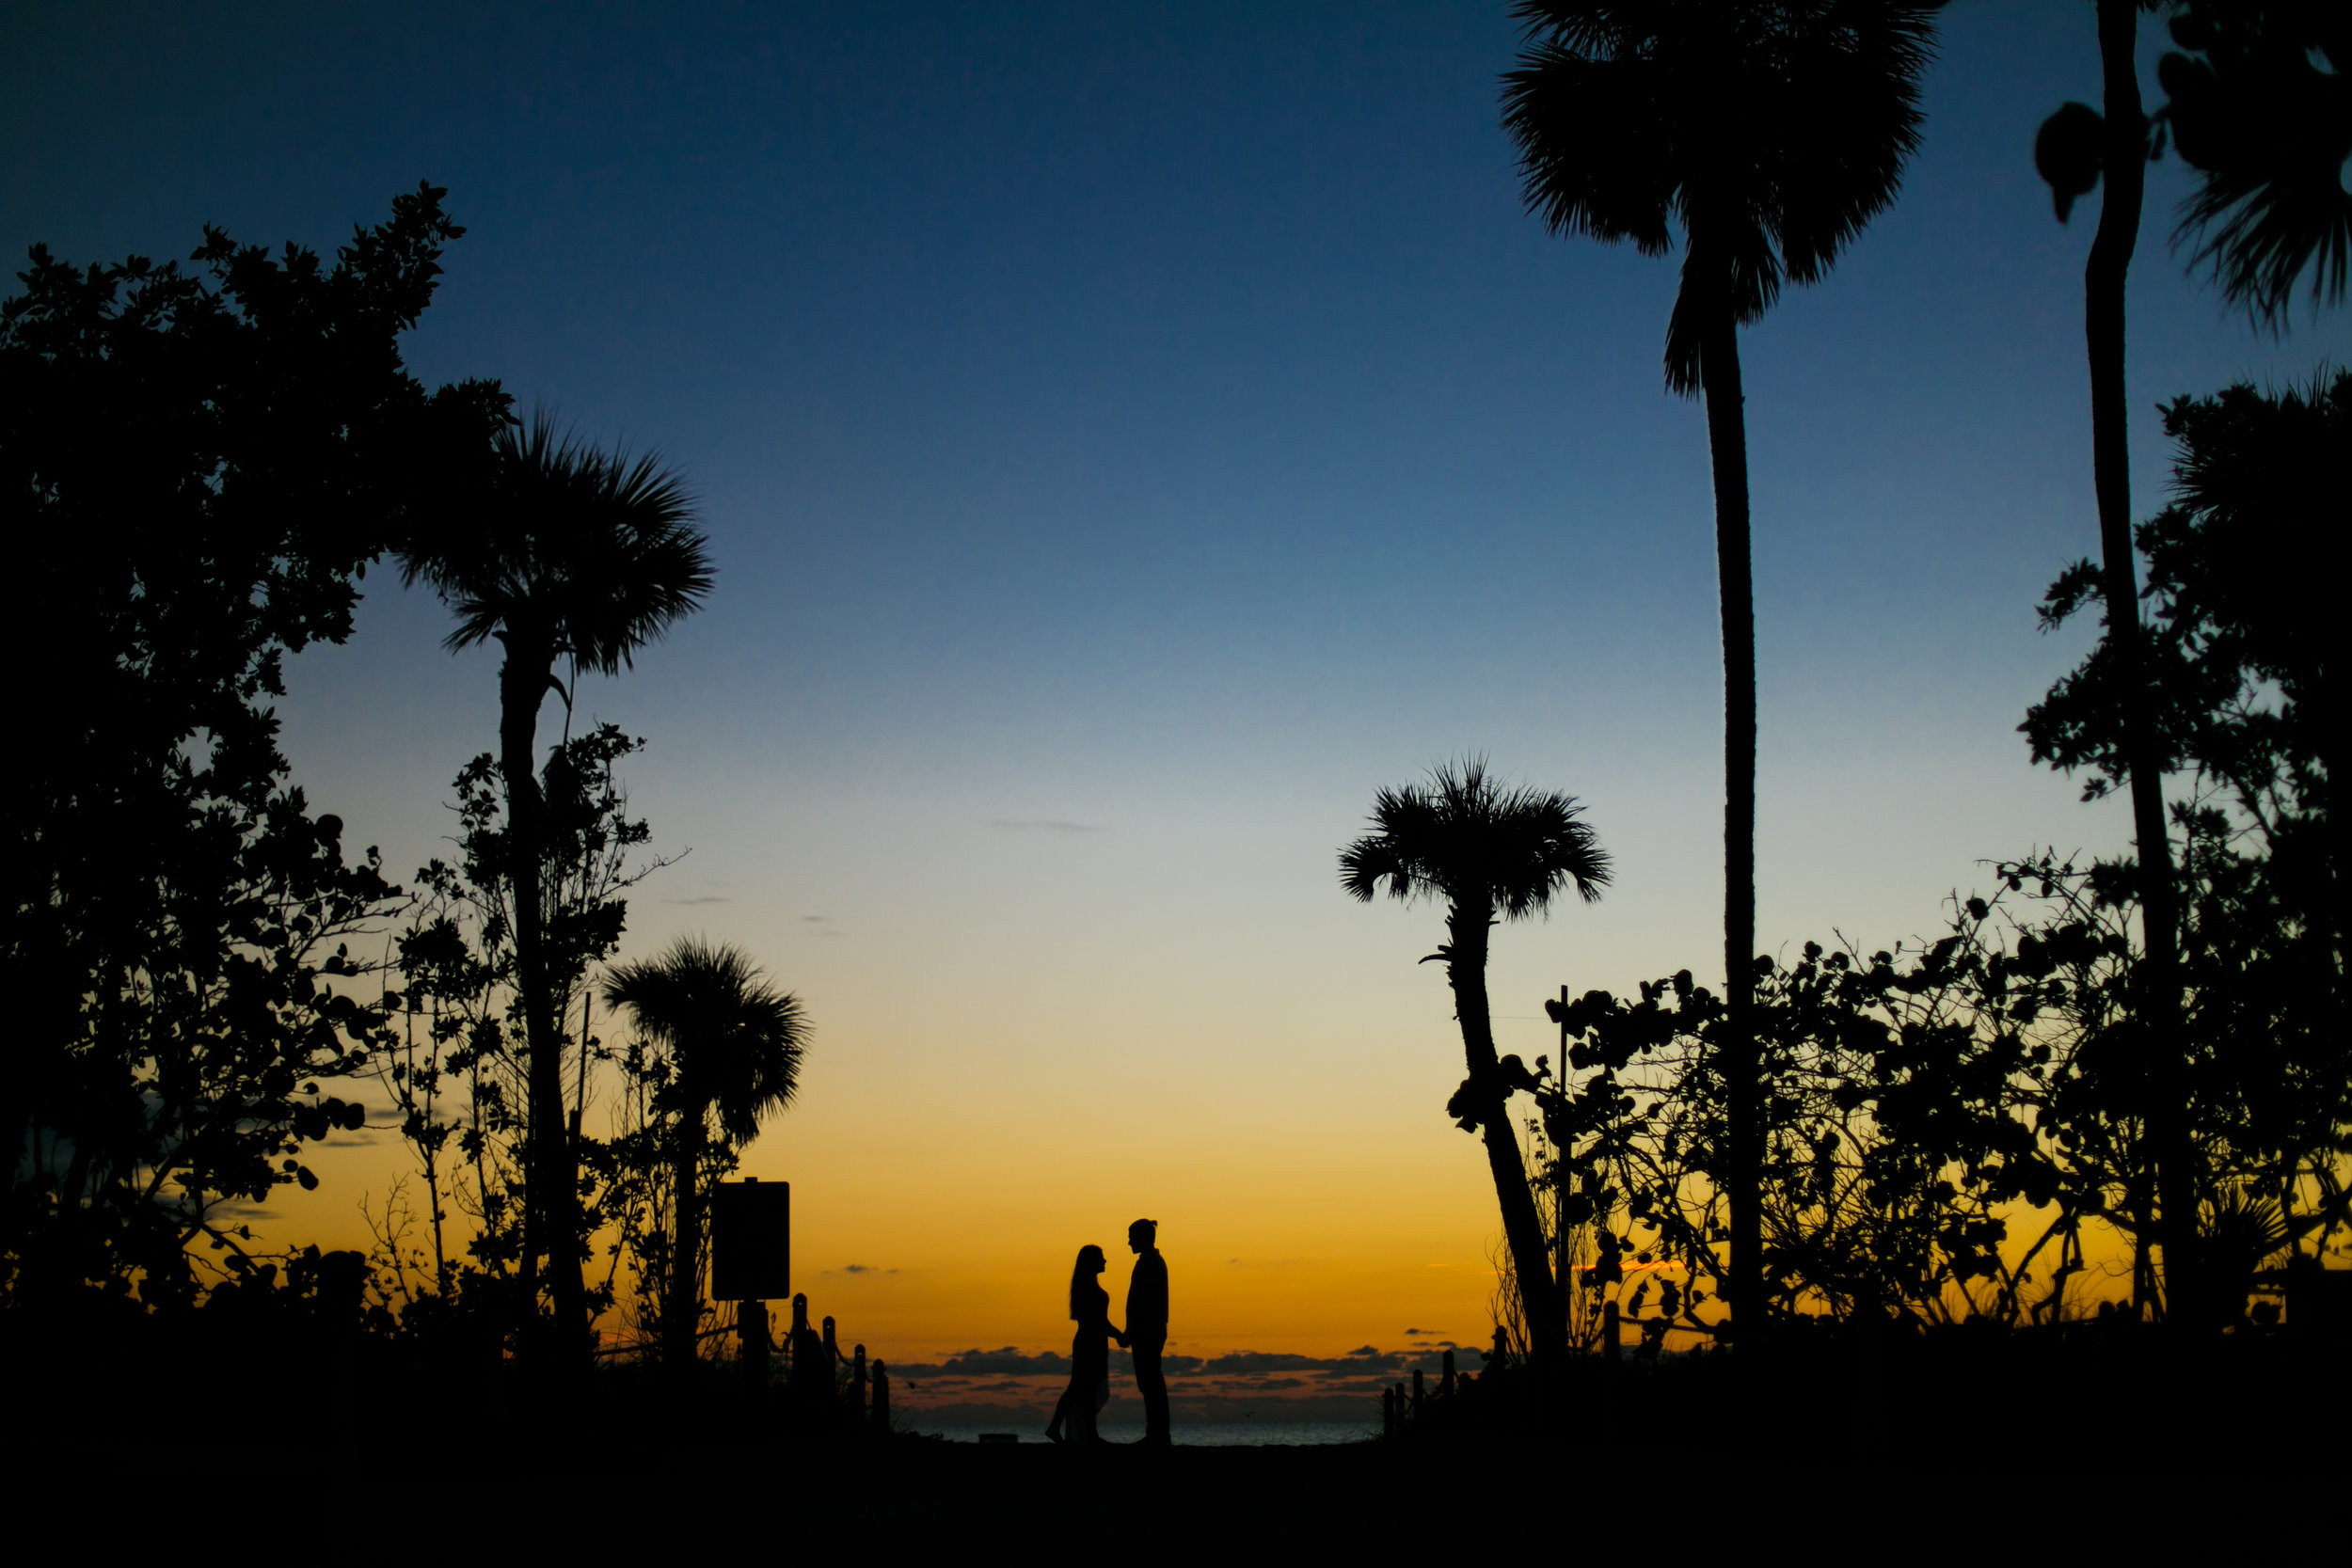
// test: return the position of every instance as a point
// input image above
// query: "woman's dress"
(1090, 1362)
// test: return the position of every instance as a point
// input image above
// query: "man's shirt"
(1147, 1297)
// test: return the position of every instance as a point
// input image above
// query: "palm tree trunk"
(1743, 1167)
(1522, 1227)
(2104, 282)
(551, 1223)
(681, 1315)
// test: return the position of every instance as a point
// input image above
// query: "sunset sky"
(1130, 436)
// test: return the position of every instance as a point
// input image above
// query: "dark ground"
(1960, 1445)
(352, 1496)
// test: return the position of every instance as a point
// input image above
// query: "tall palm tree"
(2076, 147)
(1769, 133)
(736, 1045)
(1489, 853)
(2268, 133)
(582, 556)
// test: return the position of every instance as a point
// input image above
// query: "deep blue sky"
(1105, 406)
(1130, 433)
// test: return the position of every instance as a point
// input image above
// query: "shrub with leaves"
(196, 469)
(457, 1064)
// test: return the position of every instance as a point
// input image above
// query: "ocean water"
(1207, 1435)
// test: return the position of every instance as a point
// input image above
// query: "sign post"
(751, 1261)
(751, 1240)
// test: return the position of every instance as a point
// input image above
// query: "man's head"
(1143, 1235)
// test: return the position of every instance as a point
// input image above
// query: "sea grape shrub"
(196, 466)
(456, 1067)
(1914, 1103)
(2243, 693)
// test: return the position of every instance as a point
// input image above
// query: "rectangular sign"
(751, 1240)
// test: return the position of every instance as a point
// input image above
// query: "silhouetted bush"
(197, 468)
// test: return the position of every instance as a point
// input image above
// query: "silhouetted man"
(1147, 1327)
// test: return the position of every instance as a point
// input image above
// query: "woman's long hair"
(1082, 1279)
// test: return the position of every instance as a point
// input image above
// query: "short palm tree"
(569, 554)
(1489, 853)
(735, 1046)
(1769, 133)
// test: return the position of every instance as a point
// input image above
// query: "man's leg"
(1154, 1390)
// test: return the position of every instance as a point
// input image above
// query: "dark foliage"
(197, 468)
(1769, 134)
(1923, 1101)
(456, 1063)
(2244, 700)
(2268, 130)
(2240, 640)
(2265, 122)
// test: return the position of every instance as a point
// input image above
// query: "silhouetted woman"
(1089, 1387)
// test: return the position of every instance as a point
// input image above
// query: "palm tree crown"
(587, 554)
(1473, 842)
(1770, 132)
(737, 1042)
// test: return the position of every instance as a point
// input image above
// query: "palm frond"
(1382, 855)
(2259, 232)
(1769, 134)
(1846, 119)
(2270, 133)
(593, 553)
(1595, 148)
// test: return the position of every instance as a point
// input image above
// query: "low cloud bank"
(989, 1363)
(1015, 1389)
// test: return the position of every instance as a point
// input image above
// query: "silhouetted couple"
(1145, 1336)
